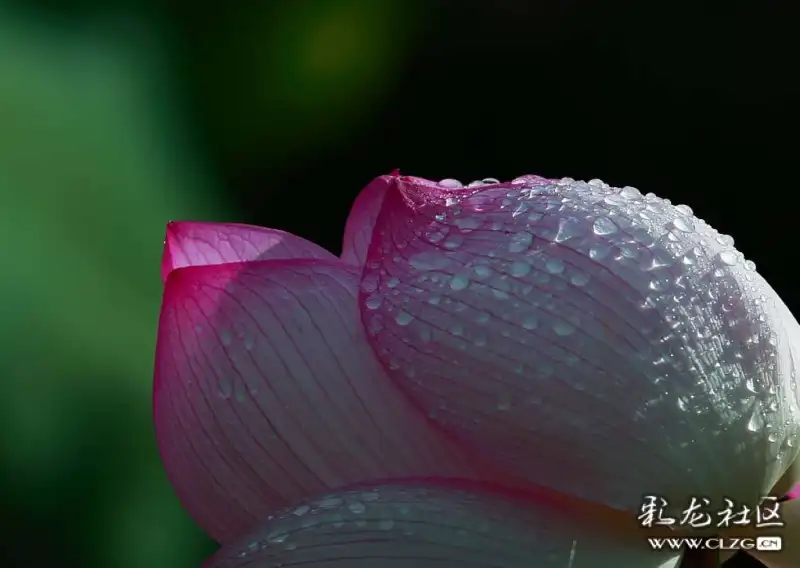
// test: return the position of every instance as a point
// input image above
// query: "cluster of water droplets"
(556, 270)
(455, 184)
(393, 510)
(237, 342)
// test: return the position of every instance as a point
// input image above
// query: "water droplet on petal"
(451, 183)
(277, 536)
(579, 278)
(599, 251)
(604, 226)
(459, 282)
(684, 224)
(427, 260)
(357, 508)
(520, 269)
(530, 322)
(403, 318)
(728, 257)
(684, 210)
(563, 328)
(554, 266)
(520, 241)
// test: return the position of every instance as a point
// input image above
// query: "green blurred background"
(118, 116)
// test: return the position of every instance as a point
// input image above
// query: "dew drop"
(750, 265)
(357, 508)
(684, 224)
(374, 302)
(459, 282)
(563, 328)
(520, 269)
(604, 226)
(426, 260)
(530, 322)
(403, 318)
(599, 251)
(630, 192)
(277, 536)
(467, 223)
(451, 183)
(579, 278)
(482, 271)
(453, 241)
(554, 266)
(725, 240)
(568, 229)
(520, 241)
(684, 210)
(753, 423)
(728, 257)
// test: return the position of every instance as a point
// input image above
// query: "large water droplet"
(568, 229)
(684, 224)
(451, 183)
(604, 226)
(728, 257)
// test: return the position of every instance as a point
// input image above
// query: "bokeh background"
(119, 115)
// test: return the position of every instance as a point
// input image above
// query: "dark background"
(118, 116)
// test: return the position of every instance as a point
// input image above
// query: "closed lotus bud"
(585, 338)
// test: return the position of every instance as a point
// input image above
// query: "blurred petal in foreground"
(414, 526)
(266, 392)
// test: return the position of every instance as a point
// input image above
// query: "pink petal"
(358, 231)
(794, 493)
(426, 526)
(266, 392)
(593, 340)
(190, 243)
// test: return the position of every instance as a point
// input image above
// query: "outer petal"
(266, 391)
(418, 526)
(360, 222)
(191, 243)
(596, 341)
